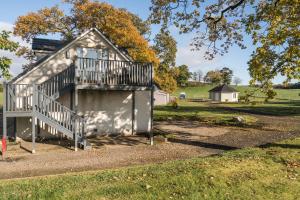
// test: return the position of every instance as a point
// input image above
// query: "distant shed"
(160, 97)
(224, 93)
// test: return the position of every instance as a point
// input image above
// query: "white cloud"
(195, 59)
(17, 62)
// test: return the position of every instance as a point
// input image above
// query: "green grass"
(280, 108)
(286, 103)
(271, 172)
(203, 112)
(202, 92)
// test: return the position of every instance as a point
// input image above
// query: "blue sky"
(236, 59)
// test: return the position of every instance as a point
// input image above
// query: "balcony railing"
(113, 72)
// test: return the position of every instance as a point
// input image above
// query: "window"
(93, 53)
(234, 95)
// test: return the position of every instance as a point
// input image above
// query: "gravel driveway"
(188, 139)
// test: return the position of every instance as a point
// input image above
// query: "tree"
(142, 26)
(237, 80)
(194, 76)
(117, 24)
(213, 76)
(272, 24)
(199, 75)
(165, 48)
(7, 45)
(226, 75)
(182, 75)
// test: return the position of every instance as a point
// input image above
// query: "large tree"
(7, 45)
(217, 25)
(182, 75)
(165, 47)
(117, 24)
(213, 76)
(226, 74)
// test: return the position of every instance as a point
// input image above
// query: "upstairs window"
(93, 53)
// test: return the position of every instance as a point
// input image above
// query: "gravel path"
(189, 139)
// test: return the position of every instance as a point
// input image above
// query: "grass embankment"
(272, 172)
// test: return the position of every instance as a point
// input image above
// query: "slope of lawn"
(286, 102)
(271, 172)
(202, 92)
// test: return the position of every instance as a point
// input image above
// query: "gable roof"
(223, 88)
(66, 45)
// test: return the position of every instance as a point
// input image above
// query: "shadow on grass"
(290, 108)
(203, 144)
(192, 109)
(287, 146)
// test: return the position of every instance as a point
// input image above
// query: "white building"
(224, 93)
(160, 97)
(83, 87)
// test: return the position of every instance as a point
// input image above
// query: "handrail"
(113, 72)
(29, 98)
(59, 81)
(18, 97)
(59, 113)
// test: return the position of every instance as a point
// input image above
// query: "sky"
(236, 59)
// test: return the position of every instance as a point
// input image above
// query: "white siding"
(142, 111)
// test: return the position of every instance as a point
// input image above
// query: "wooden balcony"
(113, 73)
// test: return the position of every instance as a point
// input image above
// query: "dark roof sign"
(47, 44)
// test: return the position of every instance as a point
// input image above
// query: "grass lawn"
(204, 112)
(286, 103)
(272, 172)
(202, 92)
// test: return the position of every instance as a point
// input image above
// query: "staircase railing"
(58, 82)
(29, 98)
(18, 97)
(59, 114)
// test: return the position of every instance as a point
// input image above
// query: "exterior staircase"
(41, 101)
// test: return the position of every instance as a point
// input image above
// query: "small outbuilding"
(160, 97)
(224, 93)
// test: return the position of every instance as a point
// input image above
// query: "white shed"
(160, 97)
(224, 93)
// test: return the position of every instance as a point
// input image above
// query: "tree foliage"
(165, 47)
(213, 76)
(182, 74)
(226, 74)
(197, 76)
(272, 24)
(7, 45)
(118, 25)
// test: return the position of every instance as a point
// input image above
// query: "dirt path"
(188, 139)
